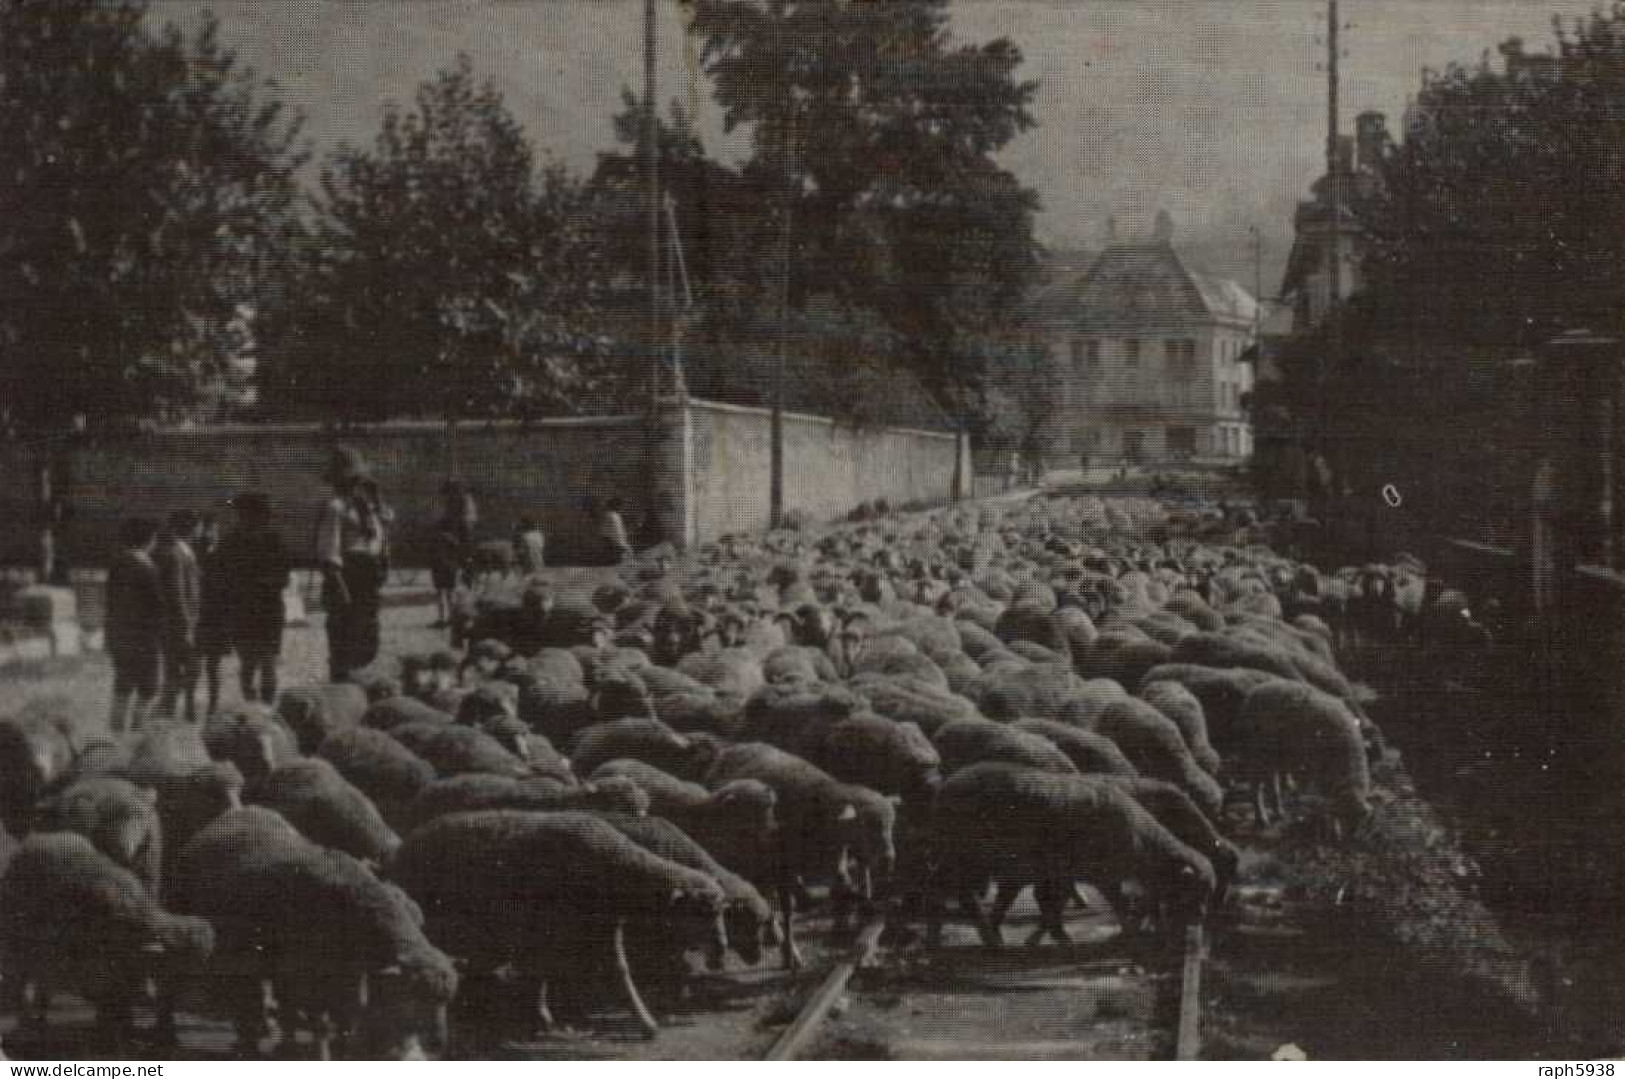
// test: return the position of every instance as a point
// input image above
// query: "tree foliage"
(876, 132)
(150, 193)
(451, 278)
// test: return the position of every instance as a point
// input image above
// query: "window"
(1181, 358)
(1131, 353)
(1133, 444)
(1181, 441)
(1077, 353)
(1094, 355)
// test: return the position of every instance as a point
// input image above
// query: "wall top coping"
(807, 417)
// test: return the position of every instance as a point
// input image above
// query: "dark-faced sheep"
(533, 890)
(251, 736)
(314, 712)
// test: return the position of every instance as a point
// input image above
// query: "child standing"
(131, 627)
(255, 564)
(182, 580)
(612, 532)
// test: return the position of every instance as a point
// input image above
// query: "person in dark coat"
(254, 569)
(182, 580)
(213, 638)
(453, 545)
(132, 628)
(351, 548)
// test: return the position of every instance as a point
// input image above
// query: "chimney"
(1345, 154)
(1371, 137)
(1163, 231)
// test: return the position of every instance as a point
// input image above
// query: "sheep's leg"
(1275, 791)
(325, 1030)
(623, 971)
(1258, 804)
(36, 1003)
(1008, 893)
(788, 952)
(1052, 898)
(971, 905)
(544, 1014)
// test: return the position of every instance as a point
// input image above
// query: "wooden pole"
(799, 1033)
(1188, 1043)
(651, 179)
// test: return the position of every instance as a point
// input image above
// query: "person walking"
(616, 548)
(350, 550)
(255, 566)
(132, 634)
(182, 579)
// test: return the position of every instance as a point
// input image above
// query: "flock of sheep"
(917, 712)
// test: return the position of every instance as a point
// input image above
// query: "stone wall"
(690, 473)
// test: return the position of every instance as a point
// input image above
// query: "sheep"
(189, 803)
(494, 709)
(1089, 752)
(1034, 622)
(796, 717)
(1038, 690)
(1176, 812)
(553, 706)
(733, 671)
(736, 823)
(314, 712)
(1123, 656)
(1220, 691)
(321, 927)
(1182, 706)
(909, 701)
(453, 750)
(644, 739)
(397, 711)
(820, 821)
(37, 752)
(798, 664)
(880, 753)
(965, 742)
(72, 917)
(747, 918)
(1290, 727)
(531, 889)
(479, 791)
(1152, 742)
(166, 751)
(1020, 826)
(312, 796)
(380, 767)
(251, 736)
(119, 818)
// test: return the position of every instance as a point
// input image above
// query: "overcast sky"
(1212, 109)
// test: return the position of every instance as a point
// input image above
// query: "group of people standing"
(180, 598)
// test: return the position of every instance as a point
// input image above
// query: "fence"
(690, 471)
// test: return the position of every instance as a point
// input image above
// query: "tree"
(876, 133)
(151, 189)
(453, 279)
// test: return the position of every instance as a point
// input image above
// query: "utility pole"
(775, 507)
(651, 180)
(1334, 176)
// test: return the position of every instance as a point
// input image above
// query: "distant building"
(1153, 356)
(1319, 230)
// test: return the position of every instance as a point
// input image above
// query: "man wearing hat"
(350, 545)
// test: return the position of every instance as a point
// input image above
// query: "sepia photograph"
(838, 530)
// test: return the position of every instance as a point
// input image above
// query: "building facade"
(1153, 354)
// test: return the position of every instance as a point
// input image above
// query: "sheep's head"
(696, 913)
(184, 942)
(617, 794)
(747, 921)
(406, 1005)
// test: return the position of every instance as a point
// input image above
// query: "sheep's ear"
(848, 812)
